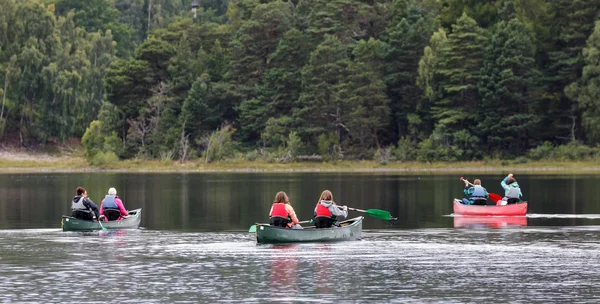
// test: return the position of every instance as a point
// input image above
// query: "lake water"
(194, 247)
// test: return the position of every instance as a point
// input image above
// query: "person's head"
(112, 191)
(81, 191)
(510, 181)
(326, 196)
(477, 182)
(281, 197)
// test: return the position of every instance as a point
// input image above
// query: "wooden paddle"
(253, 227)
(493, 196)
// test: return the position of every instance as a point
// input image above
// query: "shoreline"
(22, 162)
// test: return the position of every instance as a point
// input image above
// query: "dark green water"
(193, 246)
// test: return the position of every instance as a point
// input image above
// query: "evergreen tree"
(407, 38)
(509, 89)
(461, 59)
(321, 108)
(369, 111)
(281, 87)
(586, 91)
(573, 23)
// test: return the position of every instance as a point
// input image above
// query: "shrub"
(219, 145)
(102, 159)
(405, 150)
(92, 140)
(252, 155)
(383, 155)
(545, 151)
(521, 160)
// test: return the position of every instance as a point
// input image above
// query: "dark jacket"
(88, 206)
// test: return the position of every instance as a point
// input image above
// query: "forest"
(282, 81)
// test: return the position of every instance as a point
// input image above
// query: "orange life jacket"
(323, 211)
(279, 210)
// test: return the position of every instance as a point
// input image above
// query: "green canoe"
(349, 230)
(70, 223)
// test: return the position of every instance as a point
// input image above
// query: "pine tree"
(573, 22)
(281, 87)
(460, 62)
(321, 108)
(509, 89)
(407, 38)
(369, 111)
(586, 91)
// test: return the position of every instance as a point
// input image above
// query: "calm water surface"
(193, 246)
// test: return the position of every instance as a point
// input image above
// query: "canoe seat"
(512, 201)
(323, 222)
(278, 221)
(112, 214)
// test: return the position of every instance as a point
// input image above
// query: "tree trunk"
(149, 10)
(4, 96)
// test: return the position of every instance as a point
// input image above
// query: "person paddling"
(282, 213)
(512, 191)
(83, 208)
(327, 213)
(112, 207)
(477, 194)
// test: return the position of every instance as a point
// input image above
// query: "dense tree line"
(412, 80)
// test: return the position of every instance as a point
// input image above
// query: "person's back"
(327, 212)
(282, 213)
(112, 207)
(82, 207)
(477, 194)
(512, 191)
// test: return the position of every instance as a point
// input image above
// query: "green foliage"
(93, 140)
(321, 106)
(104, 159)
(586, 91)
(293, 145)
(303, 77)
(383, 155)
(405, 150)
(219, 146)
(329, 146)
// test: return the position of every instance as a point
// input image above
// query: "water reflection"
(489, 221)
(234, 201)
(284, 270)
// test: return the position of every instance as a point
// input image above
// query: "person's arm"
(337, 211)
(90, 205)
(271, 211)
(468, 191)
(487, 195)
(101, 208)
(121, 207)
(292, 213)
(503, 184)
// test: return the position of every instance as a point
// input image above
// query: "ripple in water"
(525, 265)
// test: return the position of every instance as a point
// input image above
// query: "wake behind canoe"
(70, 223)
(350, 230)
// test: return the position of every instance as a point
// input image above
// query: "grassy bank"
(25, 162)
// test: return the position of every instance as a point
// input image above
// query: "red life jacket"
(279, 210)
(323, 211)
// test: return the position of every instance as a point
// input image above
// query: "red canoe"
(519, 209)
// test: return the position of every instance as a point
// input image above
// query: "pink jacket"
(121, 208)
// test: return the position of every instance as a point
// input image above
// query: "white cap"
(112, 191)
